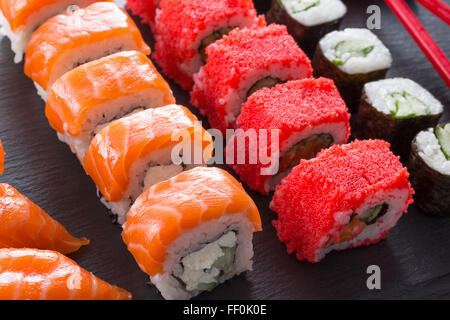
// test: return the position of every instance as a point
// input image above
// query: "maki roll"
(240, 64)
(185, 28)
(19, 19)
(395, 110)
(24, 224)
(31, 274)
(145, 9)
(308, 20)
(310, 116)
(133, 153)
(192, 232)
(69, 40)
(348, 196)
(351, 58)
(87, 98)
(429, 164)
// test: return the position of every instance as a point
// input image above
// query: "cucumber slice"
(300, 5)
(442, 133)
(373, 214)
(225, 262)
(345, 50)
(405, 105)
(206, 286)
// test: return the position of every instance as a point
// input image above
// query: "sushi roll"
(19, 19)
(69, 40)
(395, 110)
(348, 196)
(2, 158)
(192, 232)
(429, 164)
(32, 274)
(351, 57)
(185, 28)
(309, 114)
(145, 9)
(308, 20)
(87, 98)
(240, 64)
(135, 152)
(24, 224)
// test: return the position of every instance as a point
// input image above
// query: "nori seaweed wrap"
(429, 166)
(395, 110)
(305, 19)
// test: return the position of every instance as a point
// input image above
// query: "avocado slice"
(442, 133)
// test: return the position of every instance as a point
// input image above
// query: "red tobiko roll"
(348, 196)
(240, 64)
(185, 28)
(309, 115)
(145, 9)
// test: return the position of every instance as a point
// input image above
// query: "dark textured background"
(414, 260)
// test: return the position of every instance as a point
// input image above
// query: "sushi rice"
(430, 151)
(314, 12)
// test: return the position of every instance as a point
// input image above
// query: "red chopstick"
(439, 8)
(436, 56)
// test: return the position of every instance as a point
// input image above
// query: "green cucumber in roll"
(443, 135)
(407, 105)
(300, 5)
(347, 49)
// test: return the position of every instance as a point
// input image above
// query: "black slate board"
(414, 260)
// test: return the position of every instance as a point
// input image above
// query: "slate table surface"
(414, 260)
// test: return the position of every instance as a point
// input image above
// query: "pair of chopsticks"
(418, 32)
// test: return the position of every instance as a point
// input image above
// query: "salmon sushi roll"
(429, 164)
(145, 9)
(241, 63)
(19, 19)
(2, 158)
(131, 154)
(185, 28)
(348, 196)
(192, 232)
(69, 40)
(87, 98)
(309, 116)
(24, 225)
(32, 274)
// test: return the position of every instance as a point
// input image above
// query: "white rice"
(19, 39)
(325, 11)
(377, 93)
(430, 151)
(194, 240)
(378, 59)
(394, 198)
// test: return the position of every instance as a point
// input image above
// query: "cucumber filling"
(358, 223)
(297, 6)
(404, 105)
(267, 82)
(202, 269)
(216, 35)
(345, 50)
(442, 133)
(305, 149)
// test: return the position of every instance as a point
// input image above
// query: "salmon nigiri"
(93, 94)
(32, 274)
(192, 232)
(19, 18)
(133, 153)
(68, 40)
(2, 158)
(24, 225)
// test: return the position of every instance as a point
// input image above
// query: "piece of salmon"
(68, 40)
(25, 225)
(117, 147)
(2, 158)
(32, 274)
(100, 90)
(20, 13)
(167, 210)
